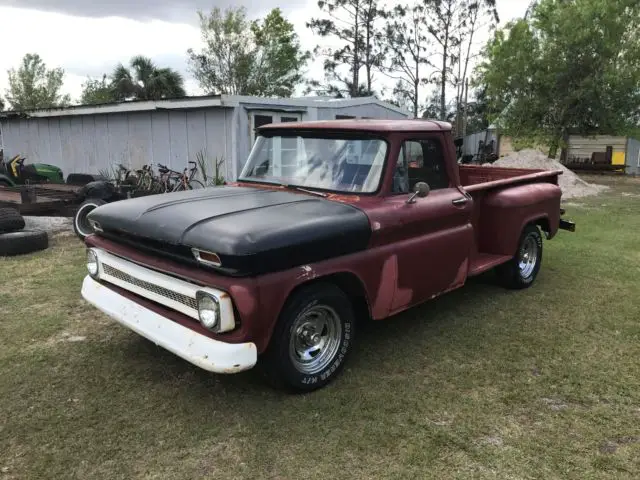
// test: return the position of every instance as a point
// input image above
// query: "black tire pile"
(14, 239)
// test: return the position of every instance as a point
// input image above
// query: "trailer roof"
(206, 101)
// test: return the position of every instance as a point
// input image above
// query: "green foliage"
(355, 24)
(1, 104)
(217, 178)
(452, 27)
(570, 66)
(96, 91)
(145, 81)
(262, 57)
(406, 37)
(34, 86)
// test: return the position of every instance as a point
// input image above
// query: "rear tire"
(521, 271)
(312, 339)
(195, 184)
(80, 223)
(23, 242)
(10, 220)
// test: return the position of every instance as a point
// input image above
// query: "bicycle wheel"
(195, 184)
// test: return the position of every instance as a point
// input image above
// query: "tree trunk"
(416, 88)
(443, 83)
(465, 108)
(368, 51)
(356, 56)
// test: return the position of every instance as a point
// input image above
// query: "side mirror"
(420, 190)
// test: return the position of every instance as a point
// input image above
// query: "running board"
(486, 261)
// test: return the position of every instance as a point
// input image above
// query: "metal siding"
(44, 142)
(216, 142)
(471, 142)
(140, 138)
(89, 145)
(118, 134)
(178, 139)
(103, 152)
(633, 157)
(66, 145)
(196, 134)
(160, 138)
(77, 157)
(55, 143)
(584, 146)
(33, 149)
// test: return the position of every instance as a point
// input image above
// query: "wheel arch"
(347, 281)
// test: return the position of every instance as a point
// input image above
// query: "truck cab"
(330, 223)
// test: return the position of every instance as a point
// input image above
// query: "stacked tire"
(14, 239)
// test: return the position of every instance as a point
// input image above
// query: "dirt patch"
(572, 186)
(49, 224)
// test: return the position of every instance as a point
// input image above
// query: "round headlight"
(208, 311)
(92, 263)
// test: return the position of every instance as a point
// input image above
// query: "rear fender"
(507, 212)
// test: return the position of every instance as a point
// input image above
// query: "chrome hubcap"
(315, 339)
(528, 256)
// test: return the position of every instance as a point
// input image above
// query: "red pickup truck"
(329, 222)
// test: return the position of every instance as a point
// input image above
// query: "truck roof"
(365, 125)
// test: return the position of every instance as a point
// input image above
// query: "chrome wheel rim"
(315, 339)
(528, 256)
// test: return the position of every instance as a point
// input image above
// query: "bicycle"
(188, 182)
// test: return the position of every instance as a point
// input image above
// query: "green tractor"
(14, 172)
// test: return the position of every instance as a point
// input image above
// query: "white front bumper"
(204, 352)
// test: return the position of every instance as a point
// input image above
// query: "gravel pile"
(49, 224)
(572, 186)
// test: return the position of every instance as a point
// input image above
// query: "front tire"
(521, 271)
(312, 339)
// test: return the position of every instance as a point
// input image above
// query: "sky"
(88, 38)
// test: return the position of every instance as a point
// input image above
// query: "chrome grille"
(150, 287)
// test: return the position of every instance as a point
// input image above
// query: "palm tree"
(145, 81)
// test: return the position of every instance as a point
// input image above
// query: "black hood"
(252, 230)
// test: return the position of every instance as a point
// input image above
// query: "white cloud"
(94, 45)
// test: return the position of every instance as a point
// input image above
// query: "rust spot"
(337, 197)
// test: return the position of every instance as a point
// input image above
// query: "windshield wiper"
(300, 189)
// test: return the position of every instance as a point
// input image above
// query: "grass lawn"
(481, 383)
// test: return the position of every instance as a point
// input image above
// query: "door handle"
(458, 202)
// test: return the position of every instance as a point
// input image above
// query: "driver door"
(434, 233)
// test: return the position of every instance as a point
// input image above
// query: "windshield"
(339, 164)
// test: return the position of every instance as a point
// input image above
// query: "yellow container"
(618, 158)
